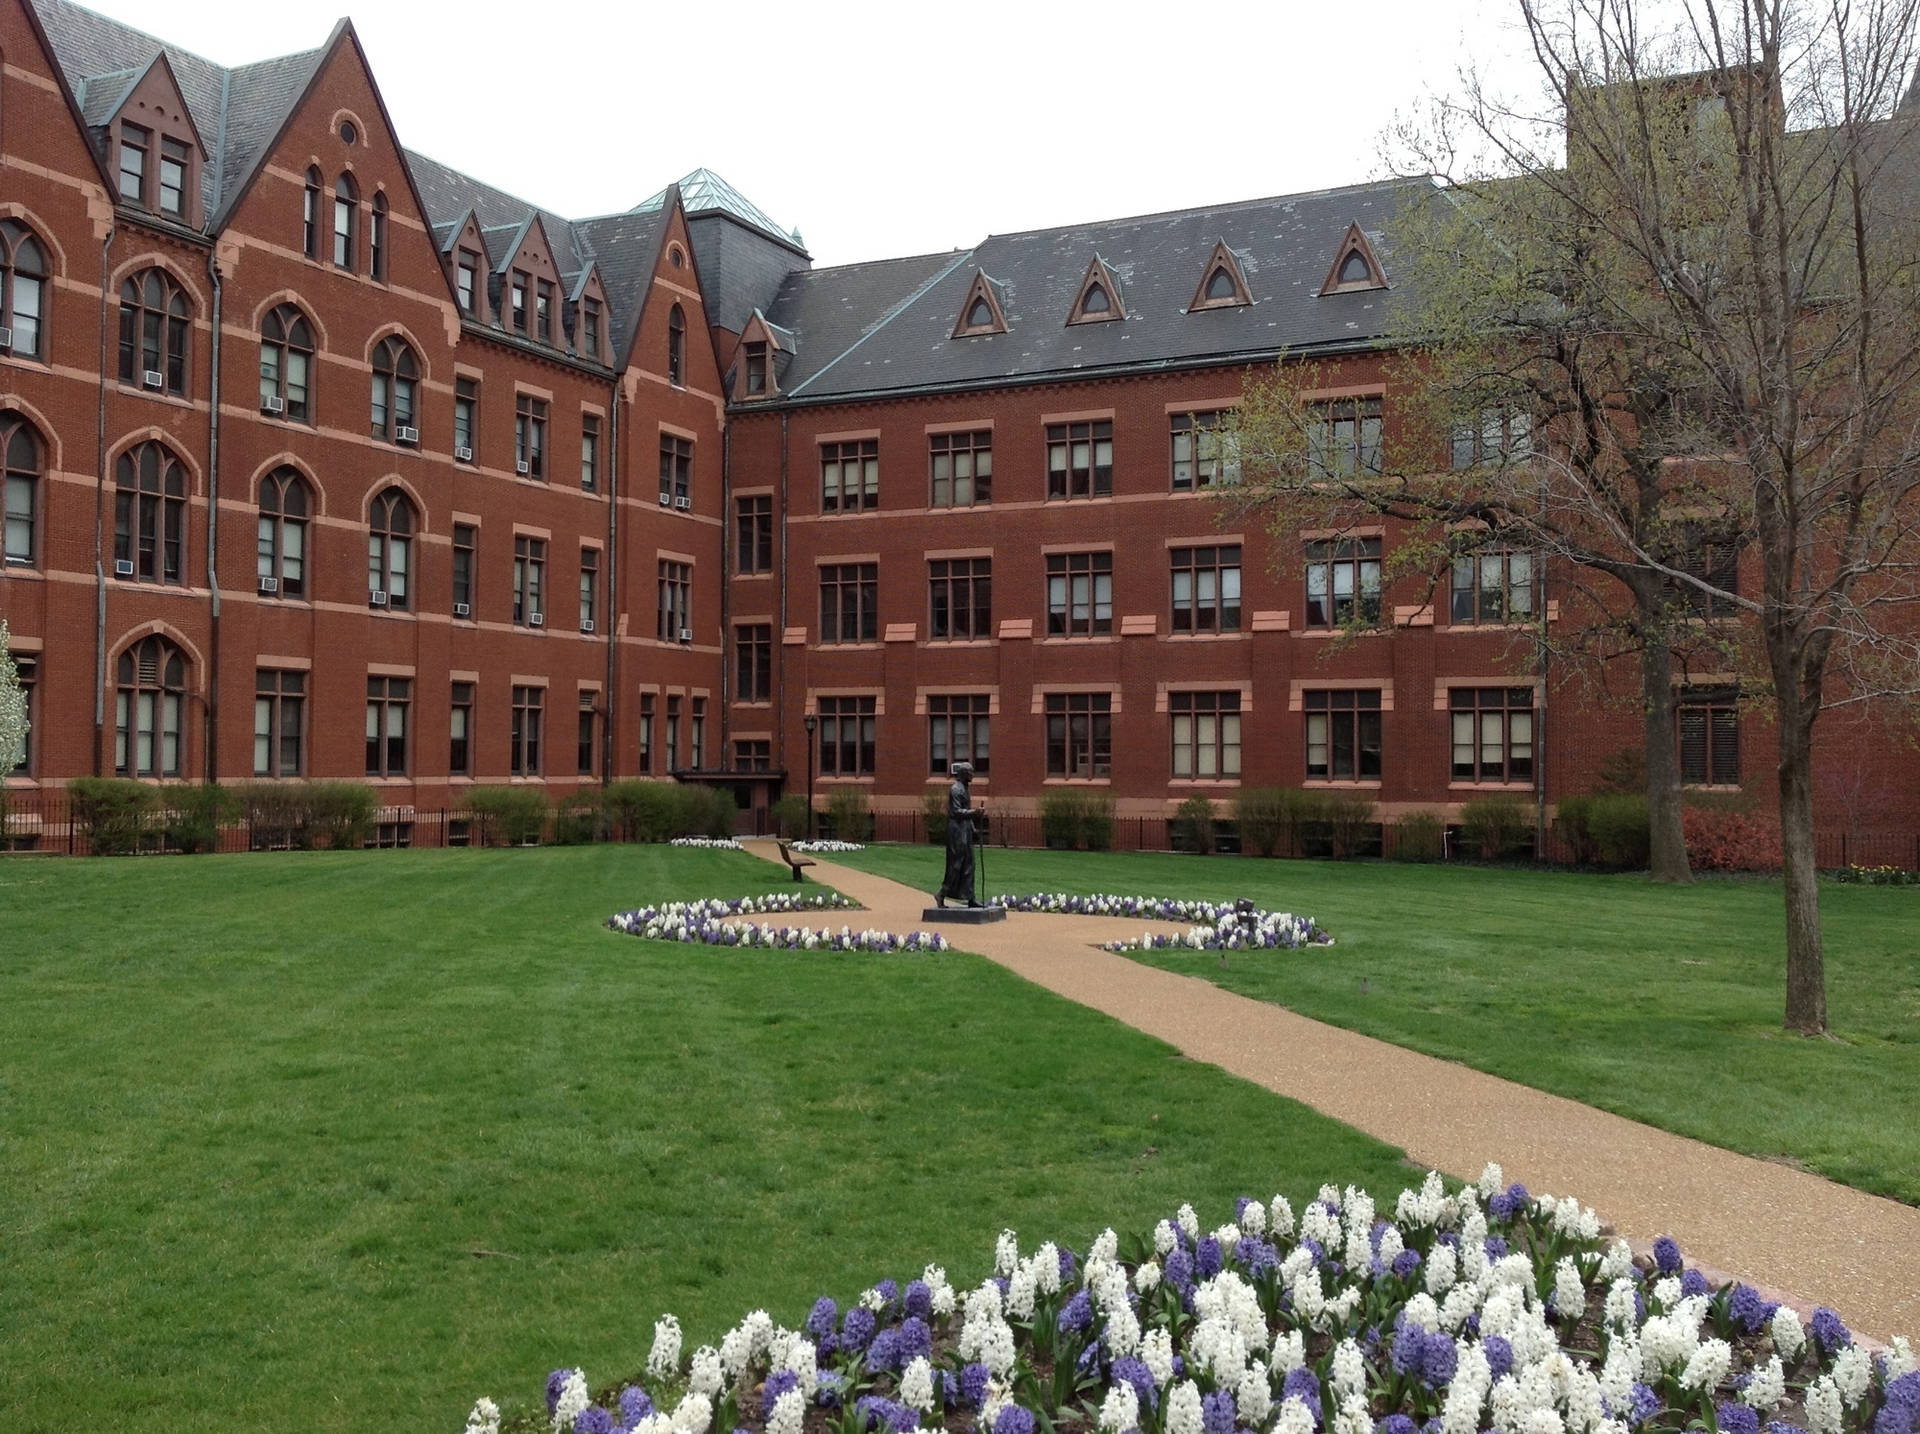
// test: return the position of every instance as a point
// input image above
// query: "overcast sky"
(893, 128)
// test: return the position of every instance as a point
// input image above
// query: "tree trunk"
(1806, 962)
(1667, 852)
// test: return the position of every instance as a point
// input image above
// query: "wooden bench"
(796, 862)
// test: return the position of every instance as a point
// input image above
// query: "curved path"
(1764, 1223)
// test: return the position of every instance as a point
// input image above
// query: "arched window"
(23, 289)
(149, 709)
(20, 451)
(1354, 269)
(1220, 287)
(310, 224)
(395, 373)
(155, 319)
(150, 515)
(284, 507)
(980, 316)
(286, 362)
(1096, 301)
(377, 238)
(676, 346)
(390, 526)
(345, 202)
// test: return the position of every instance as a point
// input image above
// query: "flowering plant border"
(826, 845)
(704, 923)
(1217, 925)
(708, 843)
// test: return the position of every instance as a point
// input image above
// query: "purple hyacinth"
(1206, 1258)
(1179, 1271)
(821, 1319)
(778, 1383)
(886, 1414)
(1069, 1266)
(1780, 1426)
(1394, 1424)
(1642, 1404)
(888, 1291)
(1405, 1263)
(1077, 1314)
(1692, 1282)
(828, 1389)
(916, 1340)
(973, 1385)
(1258, 1256)
(556, 1382)
(593, 1420)
(856, 1330)
(1748, 1310)
(883, 1352)
(1012, 1419)
(634, 1405)
(1495, 1247)
(1828, 1332)
(1217, 1414)
(1736, 1419)
(1130, 1370)
(1087, 1364)
(1509, 1202)
(1179, 1366)
(1439, 1360)
(1499, 1354)
(1409, 1349)
(1666, 1255)
(918, 1299)
(1303, 1384)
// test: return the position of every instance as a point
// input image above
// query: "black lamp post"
(810, 722)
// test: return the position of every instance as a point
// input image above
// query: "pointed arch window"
(155, 320)
(149, 709)
(150, 515)
(676, 346)
(1099, 298)
(22, 454)
(1354, 265)
(346, 201)
(390, 527)
(396, 373)
(980, 313)
(980, 316)
(1222, 284)
(285, 506)
(310, 215)
(23, 290)
(1096, 301)
(377, 238)
(286, 364)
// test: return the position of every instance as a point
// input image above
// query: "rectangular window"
(26, 670)
(962, 468)
(460, 731)
(850, 476)
(1079, 459)
(1079, 734)
(529, 581)
(1715, 562)
(377, 238)
(1492, 586)
(133, 163)
(753, 534)
(675, 612)
(676, 470)
(466, 409)
(589, 451)
(1343, 735)
(646, 734)
(848, 602)
(957, 732)
(1343, 582)
(753, 755)
(174, 159)
(589, 733)
(1497, 435)
(279, 720)
(543, 312)
(756, 368)
(387, 702)
(590, 328)
(673, 734)
(846, 736)
(22, 517)
(517, 301)
(466, 540)
(1492, 733)
(589, 588)
(753, 662)
(1203, 455)
(1079, 594)
(1343, 440)
(1206, 734)
(343, 208)
(1206, 589)
(698, 754)
(530, 437)
(523, 754)
(960, 599)
(1709, 723)
(468, 281)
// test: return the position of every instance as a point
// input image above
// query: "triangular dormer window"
(1222, 285)
(1098, 301)
(1354, 265)
(981, 312)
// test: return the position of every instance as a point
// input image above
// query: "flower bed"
(712, 843)
(1878, 875)
(1482, 1311)
(826, 845)
(703, 923)
(1217, 925)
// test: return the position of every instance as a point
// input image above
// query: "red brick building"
(324, 460)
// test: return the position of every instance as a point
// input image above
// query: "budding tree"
(13, 709)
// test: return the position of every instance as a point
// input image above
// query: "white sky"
(889, 128)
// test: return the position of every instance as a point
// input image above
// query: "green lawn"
(1660, 1003)
(339, 1142)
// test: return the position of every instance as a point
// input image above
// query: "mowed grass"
(340, 1142)
(1660, 1003)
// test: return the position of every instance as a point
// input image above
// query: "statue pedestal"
(964, 915)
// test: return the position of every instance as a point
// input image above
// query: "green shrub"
(790, 817)
(1265, 818)
(514, 816)
(1573, 819)
(933, 812)
(1350, 824)
(112, 812)
(714, 812)
(1096, 821)
(341, 813)
(580, 819)
(1419, 836)
(849, 814)
(1074, 819)
(1193, 826)
(1495, 826)
(302, 815)
(1617, 823)
(194, 815)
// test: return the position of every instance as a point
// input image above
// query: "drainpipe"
(726, 589)
(613, 578)
(100, 523)
(213, 527)
(1540, 707)
(780, 633)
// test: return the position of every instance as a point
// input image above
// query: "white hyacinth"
(484, 1417)
(1295, 1418)
(1620, 1311)
(1352, 1416)
(1899, 1358)
(1824, 1410)
(1460, 1303)
(704, 1375)
(1123, 1330)
(1120, 1411)
(1443, 1268)
(692, 1414)
(1348, 1374)
(1667, 1292)
(1617, 1263)
(1156, 1352)
(663, 1360)
(1280, 1217)
(1492, 1181)
(790, 1411)
(1020, 1291)
(1289, 1353)
(1852, 1375)
(1253, 1397)
(1788, 1337)
(1046, 1268)
(916, 1385)
(1006, 1253)
(1183, 1409)
(1146, 1278)
(1569, 1295)
(1253, 1219)
(1188, 1222)
(573, 1400)
(1165, 1237)
(1708, 1366)
(1106, 1245)
(1767, 1387)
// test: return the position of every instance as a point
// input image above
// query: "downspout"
(613, 575)
(780, 679)
(213, 526)
(726, 589)
(1540, 707)
(100, 524)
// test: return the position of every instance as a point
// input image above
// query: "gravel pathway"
(1765, 1223)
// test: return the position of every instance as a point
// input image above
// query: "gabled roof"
(626, 249)
(831, 311)
(704, 192)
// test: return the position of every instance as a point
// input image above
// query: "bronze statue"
(964, 824)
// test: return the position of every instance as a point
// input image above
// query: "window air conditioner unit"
(683, 502)
(269, 585)
(521, 468)
(6, 340)
(463, 455)
(686, 634)
(586, 624)
(460, 609)
(153, 378)
(377, 598)
(122, 568)
(407, 435)
(666, 500)
(536, 619)
(273, 403)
